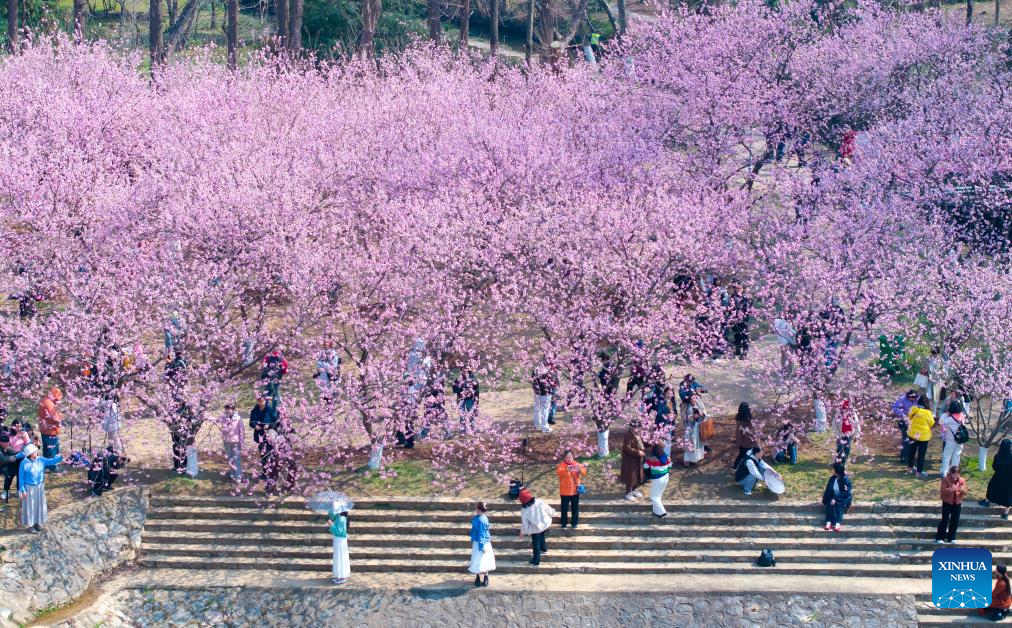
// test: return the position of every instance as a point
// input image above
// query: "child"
(845, 428)
(342, 563)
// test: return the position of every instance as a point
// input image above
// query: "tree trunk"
(173, 9)
(602, 443)
(435, 27)
(464, 22)
(969, 12)
(547, 26)
(156, 48)
(281, 13)
(375, 457)
(370, 16)
(232, 31)
(493, 26)
(621, 18)
(12, 25)
(179, 31)
(610, 14)
(529, 44)
(295, 25)
(80, 16)
(997, 4)
(214, 13)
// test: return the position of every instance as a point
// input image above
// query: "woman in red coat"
(1001, 597)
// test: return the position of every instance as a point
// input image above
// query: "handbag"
(581, 489)
(706, 430)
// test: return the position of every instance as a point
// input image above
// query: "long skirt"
(657, 486)
(342, 564)
(693, 446)
(33, 506)
(481, 562)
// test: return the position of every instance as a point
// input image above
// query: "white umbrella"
(330, 502)
(774, 481)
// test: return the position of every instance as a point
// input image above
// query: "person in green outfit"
(342, 564)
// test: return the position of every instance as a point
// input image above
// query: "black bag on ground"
(514, 489)
(766, 559)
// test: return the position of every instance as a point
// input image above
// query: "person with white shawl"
(32, 487)
(535, 519)
(694, 450)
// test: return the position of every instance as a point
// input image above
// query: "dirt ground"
(876, 473)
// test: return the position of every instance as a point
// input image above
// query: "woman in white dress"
(342, 563)
(694, 449)
(482, 557)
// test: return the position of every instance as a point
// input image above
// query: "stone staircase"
(617, 538)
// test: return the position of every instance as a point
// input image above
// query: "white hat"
(30, 449)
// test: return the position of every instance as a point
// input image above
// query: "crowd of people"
(666, 414)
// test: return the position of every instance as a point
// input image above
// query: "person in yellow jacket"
(921, 420)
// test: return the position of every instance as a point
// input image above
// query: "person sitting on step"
(1001, 596)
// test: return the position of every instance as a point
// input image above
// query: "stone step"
(572, 541)
(586, 517)
(560, 553)
(954, 620)
(459, 566)
(668, 527)
(930, 615)
(746, 506)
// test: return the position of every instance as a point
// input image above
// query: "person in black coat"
(999, 489)
(837, 497)
(9, 463)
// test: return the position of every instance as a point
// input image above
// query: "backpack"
(766, 559)
(514, 490)
(961, 435)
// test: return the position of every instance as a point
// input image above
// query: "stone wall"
(331, 606)
(80, 541)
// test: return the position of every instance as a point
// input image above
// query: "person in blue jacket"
(32, 487)
(482, 557)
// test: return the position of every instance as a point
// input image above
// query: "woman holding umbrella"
(336, 506)
(342, 562)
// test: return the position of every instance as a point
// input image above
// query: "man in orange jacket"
(570, 473)
(50, 420)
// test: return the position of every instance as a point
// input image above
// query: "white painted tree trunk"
(821, 419)
(982, 458)
(602, 444)
(375, 457)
